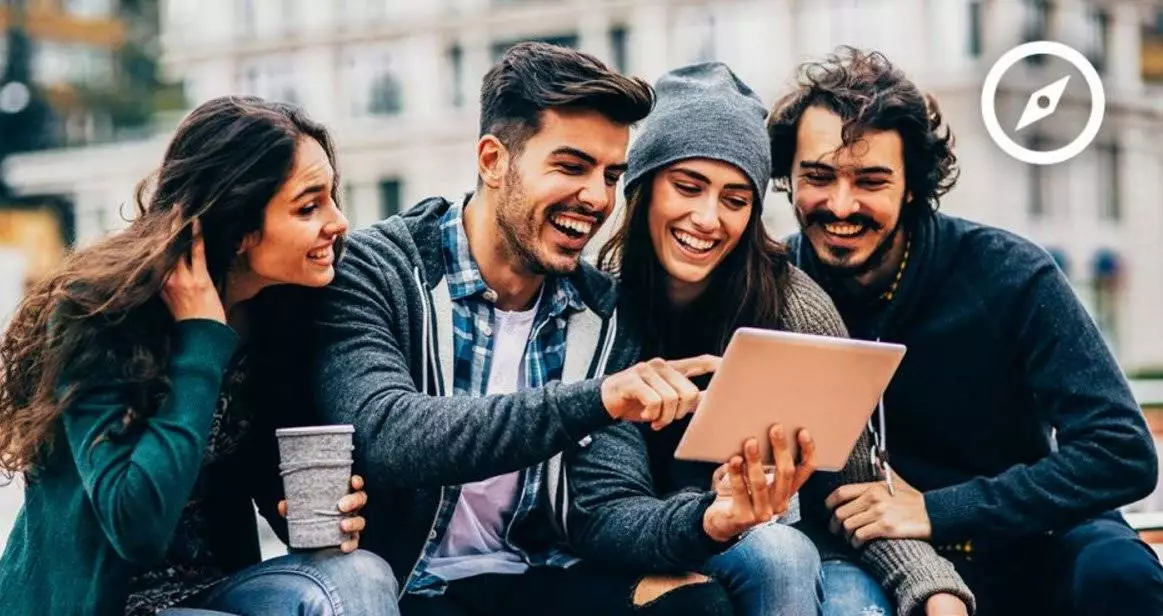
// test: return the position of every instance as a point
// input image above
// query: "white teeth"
(573, 224)
(693, 242)
(843, 228)
(319, 254)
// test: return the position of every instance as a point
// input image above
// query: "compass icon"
(1042, 103)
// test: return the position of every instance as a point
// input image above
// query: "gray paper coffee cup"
(315, 463)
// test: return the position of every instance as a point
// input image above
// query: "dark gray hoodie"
(384, 365)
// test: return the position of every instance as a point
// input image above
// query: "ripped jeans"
(851, 591)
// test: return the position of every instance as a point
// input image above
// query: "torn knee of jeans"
(872, 610)
(654, 587)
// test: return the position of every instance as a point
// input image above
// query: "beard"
(837, 268)
(520, 226)
(515, 218)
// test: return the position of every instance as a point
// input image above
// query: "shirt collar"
(464, 276)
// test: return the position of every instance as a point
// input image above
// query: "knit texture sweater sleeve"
(139, 483)
(910, 571)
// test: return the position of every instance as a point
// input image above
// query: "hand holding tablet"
(748, 495)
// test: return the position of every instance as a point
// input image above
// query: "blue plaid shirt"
(473, 322)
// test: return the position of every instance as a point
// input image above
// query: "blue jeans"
(773, 569)
(851, 591)
(316, 583)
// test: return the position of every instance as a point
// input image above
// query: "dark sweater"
(1000, 352)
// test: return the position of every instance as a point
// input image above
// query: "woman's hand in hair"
(750, 495)
(188, 290)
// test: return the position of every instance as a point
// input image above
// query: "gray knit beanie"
(703, 111)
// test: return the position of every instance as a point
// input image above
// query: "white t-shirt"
(473, 543)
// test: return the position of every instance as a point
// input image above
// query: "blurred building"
(398, 81)
(72, 72)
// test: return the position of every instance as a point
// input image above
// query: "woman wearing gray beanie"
(695, 263)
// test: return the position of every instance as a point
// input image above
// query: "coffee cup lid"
(313, 430)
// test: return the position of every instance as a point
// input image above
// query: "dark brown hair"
(869, 92)
(748, 285)
(532, 77)
(99, 320)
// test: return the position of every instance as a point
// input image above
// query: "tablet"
(828, 385)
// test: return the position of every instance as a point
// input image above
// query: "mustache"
(823, 217)
(578, 209)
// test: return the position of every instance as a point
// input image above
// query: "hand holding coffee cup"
(349, 505)
(315, 463)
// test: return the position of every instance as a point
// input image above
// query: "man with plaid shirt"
(467, 342)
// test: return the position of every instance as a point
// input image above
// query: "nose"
(336, 226)
(596, 193)
(842, 200)
(705, 214)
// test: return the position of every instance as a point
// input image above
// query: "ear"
(249, 241)
(492, 161)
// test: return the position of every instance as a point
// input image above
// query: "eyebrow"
(813, 166)
(576, 153)
(704, 179)
(310, 190)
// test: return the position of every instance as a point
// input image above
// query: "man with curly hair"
(1015, 437)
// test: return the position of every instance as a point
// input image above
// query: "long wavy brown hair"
(748, 284)
(99, 323)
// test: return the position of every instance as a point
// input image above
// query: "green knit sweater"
(96, 513)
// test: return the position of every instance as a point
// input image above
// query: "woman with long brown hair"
(694, 264)
(139, 388)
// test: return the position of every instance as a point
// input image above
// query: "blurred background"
(90, 91)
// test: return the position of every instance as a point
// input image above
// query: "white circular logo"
(1013, 148)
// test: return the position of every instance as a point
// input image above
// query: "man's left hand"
(944, 604)
(865, 511)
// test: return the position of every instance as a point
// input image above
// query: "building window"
(370, 80)
(1036, 26)
(565, 40)
(1110, 158)
(390, 191)
(1099, 45)
(618, 47)
(975, 28)
(456, 74)
(1036, 22)
(385, 96)
(271, 77)
(1105, 287)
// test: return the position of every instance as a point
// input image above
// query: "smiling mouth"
(321, 254)
(574, 228)
(694, 244)
(844, 229)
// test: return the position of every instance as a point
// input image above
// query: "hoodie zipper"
(428, 355)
